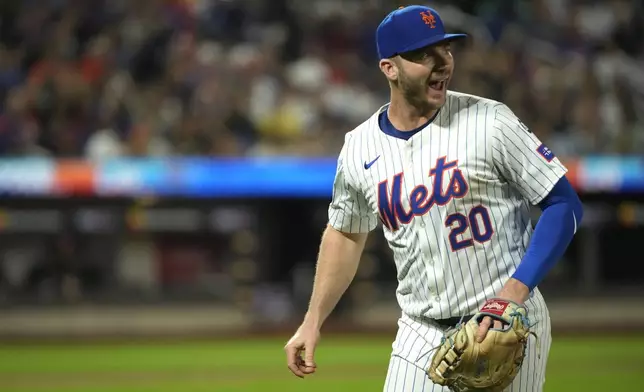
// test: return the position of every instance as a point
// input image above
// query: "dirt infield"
(183, 323)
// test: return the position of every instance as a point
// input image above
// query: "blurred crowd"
(104, 78)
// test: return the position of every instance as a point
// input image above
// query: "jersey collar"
(388, 128)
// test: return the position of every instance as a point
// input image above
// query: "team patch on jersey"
(546, 153)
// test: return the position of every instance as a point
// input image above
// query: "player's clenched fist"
(304, 341)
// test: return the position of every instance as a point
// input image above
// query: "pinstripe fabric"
(451, 252)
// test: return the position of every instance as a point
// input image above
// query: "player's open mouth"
(438, 85)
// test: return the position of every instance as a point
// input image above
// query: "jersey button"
(437, 298)
(422, 224)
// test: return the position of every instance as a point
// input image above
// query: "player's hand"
(304, 341)
(485, 325)
(513, 290)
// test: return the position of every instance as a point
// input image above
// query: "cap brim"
(431, 41)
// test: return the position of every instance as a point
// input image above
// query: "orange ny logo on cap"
(428, 18)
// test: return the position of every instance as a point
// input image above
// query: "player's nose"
(442, 59)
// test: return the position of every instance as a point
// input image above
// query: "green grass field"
(582, 364)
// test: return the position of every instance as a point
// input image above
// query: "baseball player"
(451, 177)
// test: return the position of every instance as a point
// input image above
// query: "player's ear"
(389, 68)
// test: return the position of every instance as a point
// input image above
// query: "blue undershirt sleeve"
(561, 215)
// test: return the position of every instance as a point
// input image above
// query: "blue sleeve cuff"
(561, 215)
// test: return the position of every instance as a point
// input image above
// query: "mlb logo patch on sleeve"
(545, 152)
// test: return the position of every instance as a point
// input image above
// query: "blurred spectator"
(99, 79)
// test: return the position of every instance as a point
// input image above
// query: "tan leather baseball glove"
(462, 364)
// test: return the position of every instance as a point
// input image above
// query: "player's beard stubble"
(414, 91)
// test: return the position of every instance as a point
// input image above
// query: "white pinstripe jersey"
(454, 200)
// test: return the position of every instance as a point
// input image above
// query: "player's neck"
(405, 117)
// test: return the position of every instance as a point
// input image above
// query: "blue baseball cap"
(410, 28)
